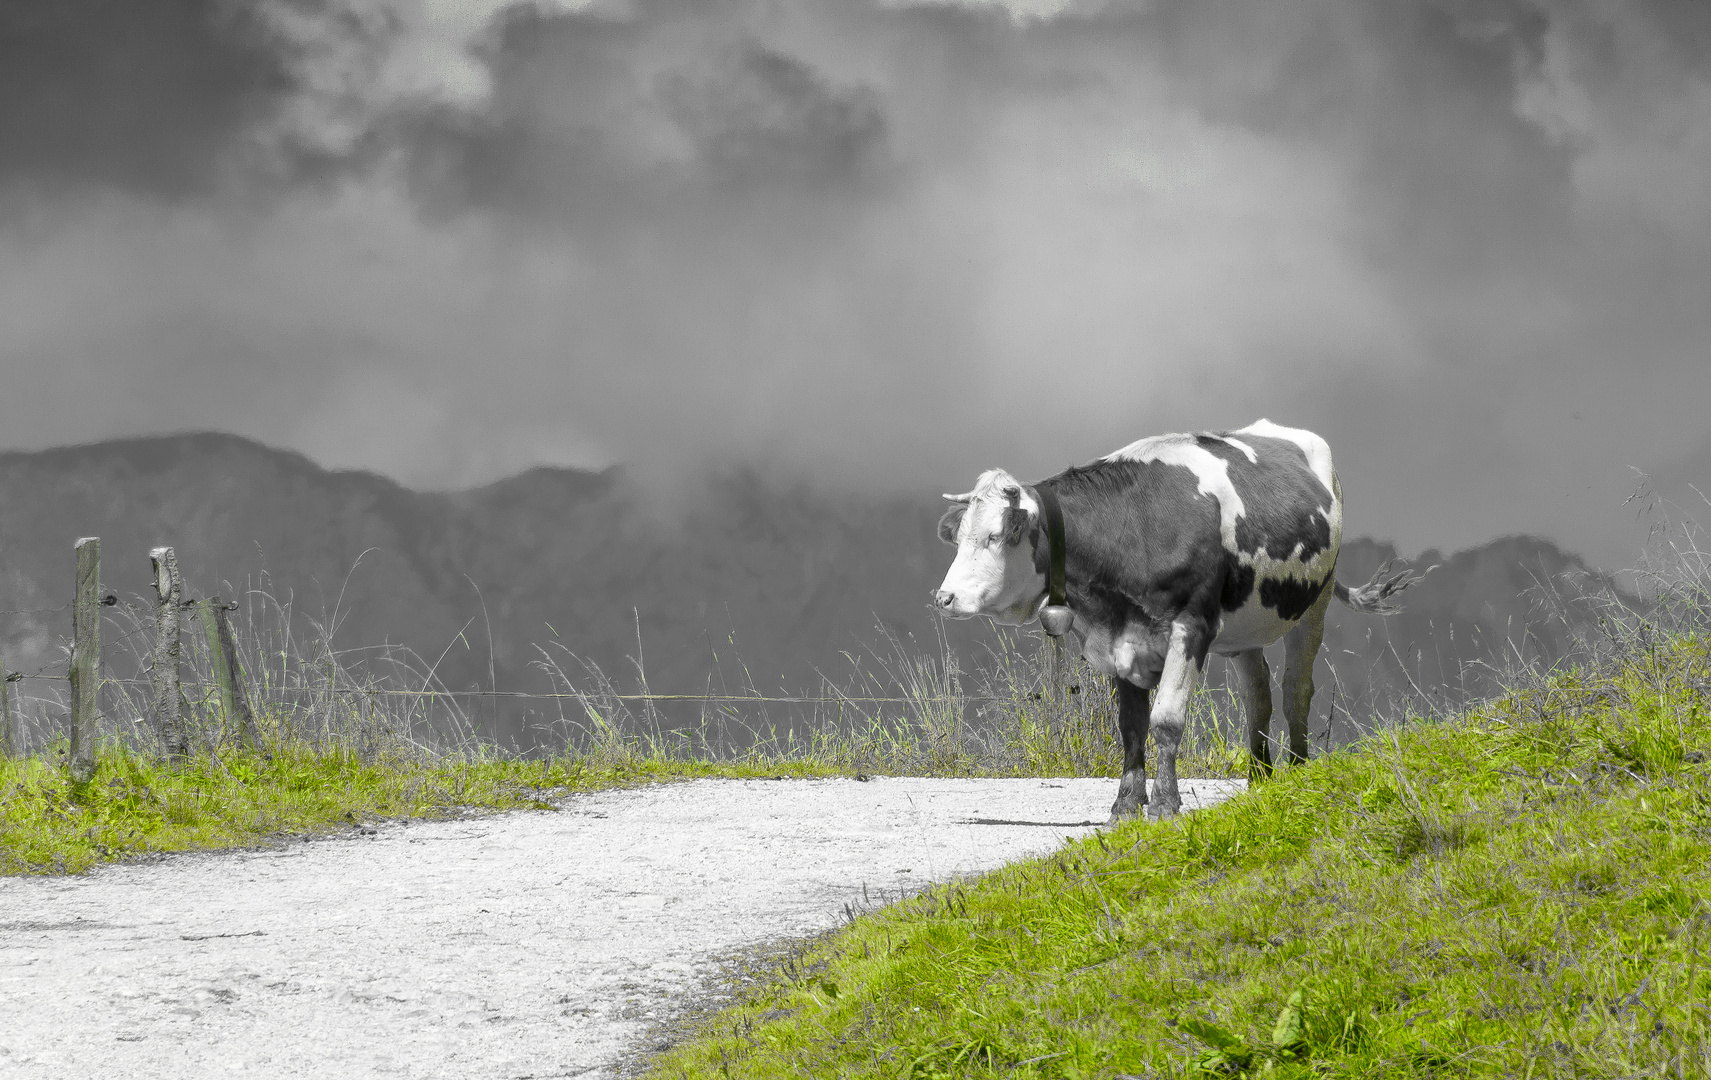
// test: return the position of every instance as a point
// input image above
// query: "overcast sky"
(884, 244)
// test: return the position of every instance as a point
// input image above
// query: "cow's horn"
(965, 497)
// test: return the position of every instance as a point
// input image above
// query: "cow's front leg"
(1170, 712)
(1133, 712)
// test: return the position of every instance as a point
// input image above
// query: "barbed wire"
(110, 599)
(571, 695)
(590, 696)
(35, 611)
(15, 676)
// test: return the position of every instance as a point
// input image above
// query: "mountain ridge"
(787, 579)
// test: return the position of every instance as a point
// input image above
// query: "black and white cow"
(1173, 546)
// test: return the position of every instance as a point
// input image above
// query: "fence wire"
(794, 699)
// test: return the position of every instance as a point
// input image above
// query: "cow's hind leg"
(1254, 682)
(1300, 650)
(1133, 712)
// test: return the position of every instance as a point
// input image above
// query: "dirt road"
(526, 945)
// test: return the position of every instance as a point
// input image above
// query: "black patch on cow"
(1016, 519)
(1290, 596)
(952, 520)
(1282, 501)
(1238, 585)
(1141, 544)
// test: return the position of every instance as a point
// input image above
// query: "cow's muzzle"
(945, 601)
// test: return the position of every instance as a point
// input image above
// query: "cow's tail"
(1373, 597)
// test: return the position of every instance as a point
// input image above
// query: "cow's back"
(1280, 519)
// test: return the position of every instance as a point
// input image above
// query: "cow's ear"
(1016, 522)
(952, 520)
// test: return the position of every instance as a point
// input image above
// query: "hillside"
(778, 579)
(1517, 891)
(746, 580)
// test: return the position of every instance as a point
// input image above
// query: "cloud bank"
(882, 244)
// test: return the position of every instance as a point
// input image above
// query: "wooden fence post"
(11, 741)
(229, 674)
(168, 716)
(85, 659)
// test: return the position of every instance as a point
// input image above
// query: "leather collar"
(1053, 514)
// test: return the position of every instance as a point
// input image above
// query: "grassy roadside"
(1522, 891)
(339, 757)
(337, 766)
(137, 805)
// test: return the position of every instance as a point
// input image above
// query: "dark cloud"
(145, 97)
(1421, 100)
(890, 244)
(180, 100)
(595, 119)
(761, 120)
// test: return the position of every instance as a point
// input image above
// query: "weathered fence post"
(11, 741)
(85, 659)
(168, 646)
(228, 674)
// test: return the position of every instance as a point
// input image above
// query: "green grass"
(137, 805)
(341, 761)
(1524, 890)
(141, 803)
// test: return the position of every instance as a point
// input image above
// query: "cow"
(1154, 556)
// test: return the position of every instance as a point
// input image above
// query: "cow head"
(993, 529)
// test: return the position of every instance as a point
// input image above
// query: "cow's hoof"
(1121, 813)
(1162, 813)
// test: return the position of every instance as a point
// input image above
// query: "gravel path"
(525, 945)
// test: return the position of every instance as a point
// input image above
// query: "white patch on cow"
(990, 577)
(1176, 686)
(1210, 470)
(1253, 625)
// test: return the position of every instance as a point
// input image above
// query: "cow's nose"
(943, 597)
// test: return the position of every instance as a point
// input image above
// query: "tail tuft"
(1371, 598)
